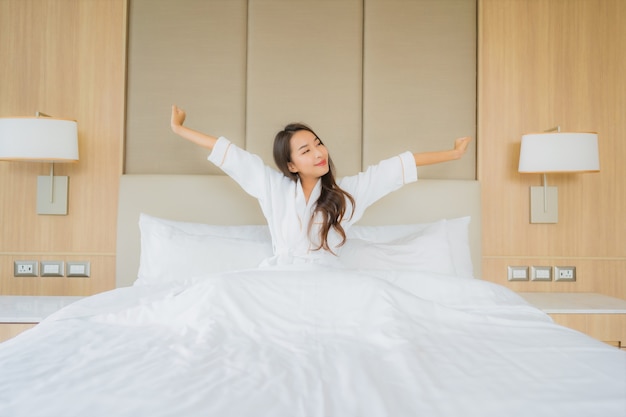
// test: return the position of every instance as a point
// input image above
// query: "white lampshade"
(559, 152)
(42, 139)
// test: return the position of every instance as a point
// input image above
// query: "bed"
(404, 327)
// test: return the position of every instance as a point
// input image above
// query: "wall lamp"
(555, 152)
(42, 139)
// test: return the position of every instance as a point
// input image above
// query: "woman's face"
(309, 157)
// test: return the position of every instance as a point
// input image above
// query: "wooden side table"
(600, 316)
(22, 312)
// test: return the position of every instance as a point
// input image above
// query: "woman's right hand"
(199, 138)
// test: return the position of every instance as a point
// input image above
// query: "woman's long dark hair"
(332, 201)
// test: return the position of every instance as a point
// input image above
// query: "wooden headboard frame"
(217, 199)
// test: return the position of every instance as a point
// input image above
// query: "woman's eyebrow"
(306, 144)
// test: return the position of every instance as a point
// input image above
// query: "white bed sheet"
(313, 342)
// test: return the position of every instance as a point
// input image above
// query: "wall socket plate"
(52, 268)
(78, 269)
(517, 273)
(565, 273)
(25, 269)
(541, 273)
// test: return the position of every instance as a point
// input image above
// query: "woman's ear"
(292, 167)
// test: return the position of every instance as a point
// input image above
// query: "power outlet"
(25, 269)
(565, 273)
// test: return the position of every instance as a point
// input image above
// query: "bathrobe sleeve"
(247, 169)
(379, 180)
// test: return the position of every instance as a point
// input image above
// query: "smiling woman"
(307, 210)
(300, 154)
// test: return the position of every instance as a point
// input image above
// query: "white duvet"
(309, 343)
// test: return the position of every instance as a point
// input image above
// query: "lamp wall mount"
(544, 204)
(52, 194)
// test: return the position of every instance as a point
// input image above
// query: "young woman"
(307, 210)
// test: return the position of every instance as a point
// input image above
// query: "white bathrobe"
(286, 210)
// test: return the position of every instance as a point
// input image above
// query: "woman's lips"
(321, 163)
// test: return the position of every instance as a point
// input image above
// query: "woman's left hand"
(460, 145)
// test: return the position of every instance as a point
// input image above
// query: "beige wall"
(372, 77)
(541, 63)
(544, 63)
(419, 80)
(65, 58)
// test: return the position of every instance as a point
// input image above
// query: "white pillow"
(251, 232)
(175, 251)
(424, 250)
(457, 232)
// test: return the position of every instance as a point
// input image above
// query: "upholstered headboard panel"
(217, 199)
(373, 78)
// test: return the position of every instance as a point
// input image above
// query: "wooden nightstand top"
(31, 308)
(575, 303)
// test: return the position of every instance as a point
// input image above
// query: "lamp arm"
(554, 129)
(545, 177)
(51, 182)
(545, 193)
(42, 114)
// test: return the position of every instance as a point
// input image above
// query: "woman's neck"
(308, 185)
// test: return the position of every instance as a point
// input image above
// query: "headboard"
(217, 199)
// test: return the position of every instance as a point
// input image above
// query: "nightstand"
(600, 316)
(21, 312)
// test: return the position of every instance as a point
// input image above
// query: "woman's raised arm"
(428, 158)
(199, 138)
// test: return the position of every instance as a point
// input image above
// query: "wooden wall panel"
(65, 58)
(544, 63)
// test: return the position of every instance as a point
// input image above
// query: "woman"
(307, 210)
